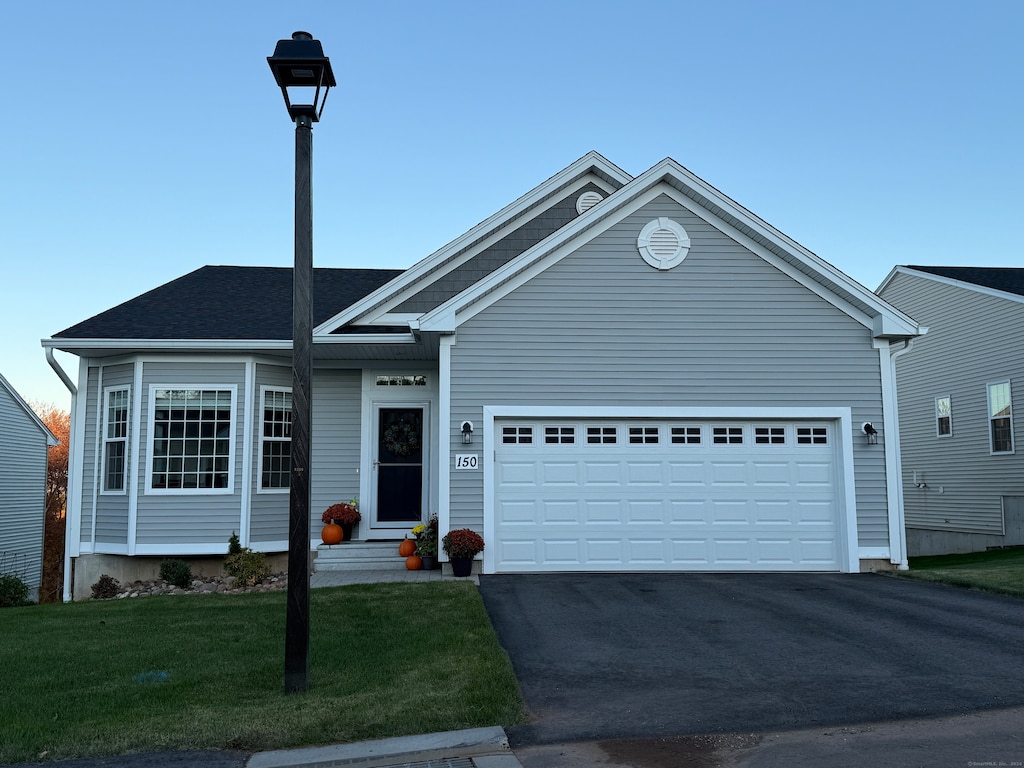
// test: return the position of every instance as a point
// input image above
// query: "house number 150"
(467, 461)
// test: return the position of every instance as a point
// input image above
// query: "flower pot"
(347, 530)
(462, 566)
(413, 562)
(332, 534)
(429, 562)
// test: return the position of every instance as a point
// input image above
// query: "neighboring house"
(24, 445)
(959, 388)
(650, 378)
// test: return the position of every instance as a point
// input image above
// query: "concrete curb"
(383, 752)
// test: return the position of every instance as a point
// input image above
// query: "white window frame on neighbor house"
(993, 418)
(232, 391)
(112, 436)
(266, 439)
(948, 416)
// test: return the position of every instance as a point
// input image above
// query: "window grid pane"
(277, 446)
(1000, 417)
(686, 435)
(560, 435)
(191, 445)
(602, 435)
(812, 436)
(643, 435)
(770, 435)
(517, 435)
(727, 435)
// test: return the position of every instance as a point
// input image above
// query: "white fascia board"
(967, 286)
(149, 345)
(367, 338)
(408, 282)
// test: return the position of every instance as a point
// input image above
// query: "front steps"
(359, 556)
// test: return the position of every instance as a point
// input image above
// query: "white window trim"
(938, 416)
(988, 405)
(264, 439)
(104, 441)
(150, 490)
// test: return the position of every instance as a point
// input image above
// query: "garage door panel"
(692, 506)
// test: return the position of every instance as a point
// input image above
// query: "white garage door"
(620, 495)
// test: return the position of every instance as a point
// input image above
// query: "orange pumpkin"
(332, 534)
(406, 548)
(413, 562)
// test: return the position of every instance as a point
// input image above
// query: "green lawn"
(207, 671)
(998, 570)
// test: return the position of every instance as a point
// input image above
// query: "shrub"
(176, 572)
(462, 543)
(234, 545)
(13, 591)
(105, 588)
(247, 567)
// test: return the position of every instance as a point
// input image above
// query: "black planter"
(462, 566)
(429, 562)
(347, 529)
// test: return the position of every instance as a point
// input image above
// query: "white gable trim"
(966, 285)
(477, 239)
(542, 256)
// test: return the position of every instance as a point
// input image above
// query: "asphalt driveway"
(603, 656)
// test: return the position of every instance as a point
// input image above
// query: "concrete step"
(359, 556)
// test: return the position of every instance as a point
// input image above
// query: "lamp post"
(303, 73)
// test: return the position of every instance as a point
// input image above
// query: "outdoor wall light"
(872, 434)
(467, 433)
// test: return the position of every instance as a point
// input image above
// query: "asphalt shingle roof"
(1009, 279)
(223, 302)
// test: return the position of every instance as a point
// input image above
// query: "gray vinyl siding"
(723, 329)
(973, 339)
(268, 519)
(507, 248)
(335, 450)
(87, 399)
(185, 519)
(111, 509)
(337, 401)
(23, 456)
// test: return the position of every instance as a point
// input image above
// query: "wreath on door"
(402, 439)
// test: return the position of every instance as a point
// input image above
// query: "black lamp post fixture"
(304, 74)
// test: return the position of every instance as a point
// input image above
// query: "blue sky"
(143, 140)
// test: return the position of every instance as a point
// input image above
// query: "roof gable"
(591, 169)
(1006, 282)
(30, 414)
(668, 177)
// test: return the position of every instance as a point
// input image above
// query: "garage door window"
(602, 435)
(728, 435)
(686, 435)
(560, 435)
(517, 435)
(770, 435)
(812, 436)
(643, 435)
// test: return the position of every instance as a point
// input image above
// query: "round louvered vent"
(587, 200)
(663, 243)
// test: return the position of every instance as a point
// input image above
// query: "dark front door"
(399, 465)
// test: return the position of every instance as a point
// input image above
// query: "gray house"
(612, 373)
(963, 467)
(24, 445)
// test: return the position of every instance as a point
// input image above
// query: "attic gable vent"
(587, 200)
(663, 243)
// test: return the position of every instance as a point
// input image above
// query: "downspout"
(72, 456)
(900, 551)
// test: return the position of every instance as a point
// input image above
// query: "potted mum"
(461, 546)
(344, 516)
(426, 543)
